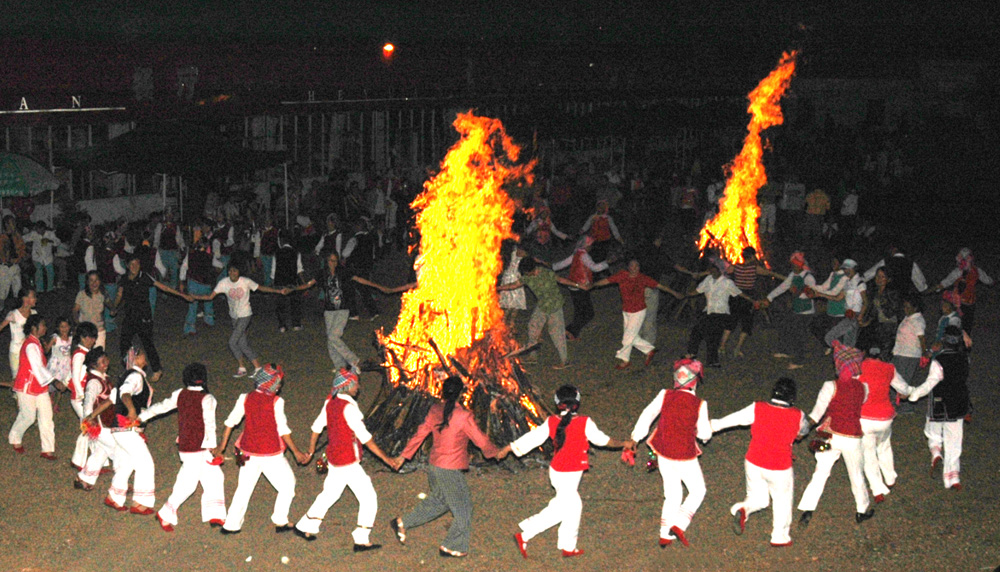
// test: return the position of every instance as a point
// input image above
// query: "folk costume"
(683, 420)
(131, 452)
(877, 414)
(97, 391)
(78, 375)
(33, 400)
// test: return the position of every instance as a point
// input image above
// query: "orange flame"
(735, 227)
(463, 215)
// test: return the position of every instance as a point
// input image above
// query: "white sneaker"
(241, 372)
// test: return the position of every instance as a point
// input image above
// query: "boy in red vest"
(774, 427)
(346, 431)
(839, 405)
(876, 424)
(195, 440)
(261, 449)
(683, 420)
(571, 435)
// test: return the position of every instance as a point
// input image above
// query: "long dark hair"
(567, 402)
(83, 330)
(86, 283)
(451, 390)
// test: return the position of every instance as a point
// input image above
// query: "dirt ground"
(47, 525)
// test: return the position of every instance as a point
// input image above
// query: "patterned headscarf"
(964, 259)
(798, 259)
(344, 381)
(687, 373)
(847, 358)
(268, 378)
(953, 298)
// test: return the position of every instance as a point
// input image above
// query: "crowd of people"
(872, 324)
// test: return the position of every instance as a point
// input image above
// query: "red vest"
(72, 385)
(578, 271)
(260, 434)
(168, 236)
(843, 416)
(674, 437)
(877, 375)
(600, 229)
(572, 456)
(966, 286)
(343, 447)
(25, 381)
(190, 421)
(107, 416)
(773, 431)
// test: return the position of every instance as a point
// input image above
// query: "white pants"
(675, 474)
(30, 408)
(101, 449)
(10, 280)
(279, 474)
(337, 479)
(767, 216)
(850, 449)
(82, 448)
(14, 359)
(196, 469)
(879, 467)
(564, 509)
(630, 336)
(763, 487)
(102, 336)
(132, 455)
(946, 435)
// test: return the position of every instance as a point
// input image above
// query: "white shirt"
(825, 396)
(935, 373)
(916, 275)
(533, 226)
(208, 405)
(587, 261)
(157, 234)
(279, 415)
(352, 415)
(956, 273)
(17, 320)
(784, 286)
(38, 369)
(611, 226)
(91, 392)
(539, 435)
(132, 385)
(747, 416)
(42, 244)
(237, 295)
(78, 372)
(851, 287)
(850, 205)
(717, 292)
(703, 430)
(908, 336)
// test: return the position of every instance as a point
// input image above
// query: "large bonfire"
(451, 322)
(735, 227)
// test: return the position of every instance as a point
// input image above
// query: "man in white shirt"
(717, 289)
(854, 293)
(43, 241)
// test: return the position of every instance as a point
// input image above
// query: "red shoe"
(782, 545)
(676, 531)
(76, 467)
(572, 553)
(957, 487)
(216, 522)
(48, 456)
(649, 357)
(621, 365)
(139, 509)
(665, 542)
(879, 499)
(522, 544)
(740, 521)
(167, 527)
(935, 463)
(114, 505)
(19, 449)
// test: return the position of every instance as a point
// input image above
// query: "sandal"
(396, 525)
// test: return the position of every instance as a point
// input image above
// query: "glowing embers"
(735, 226)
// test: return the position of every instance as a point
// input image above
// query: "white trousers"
(132, 456)
(337, 479)
(14, 359)
(630, 336)
(196, 469)
(564, 509)
(675, 474)
(29, 409)
(101, 449)
(946, 435)
(82, 448)
(10, 280)
(880, 470)
(850, 449)
(765, 486)
(279, 474)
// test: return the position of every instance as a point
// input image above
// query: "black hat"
(784, 390)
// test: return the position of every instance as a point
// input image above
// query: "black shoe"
(863, 516)
(305, 535)
(226, 531)
(366, 547)
(283, 528)
(805, 518)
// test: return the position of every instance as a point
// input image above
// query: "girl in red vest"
(261, 448)
(683, 420)
(601, 227)
(877, 414)
(346, 431)
(570, 434)
(774, 427)
(963, 280)
(97, 392)
(195, 440)
(31, 390)
(85, 338)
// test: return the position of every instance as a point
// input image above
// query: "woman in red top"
(453, 426)
(570, 434)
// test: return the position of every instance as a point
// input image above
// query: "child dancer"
(237, 289)
(261, 449)
(195, 440)
(97, 392)
(86, 337)
(60, 351)
(346, 431)
(683, 419)
(570, 434)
